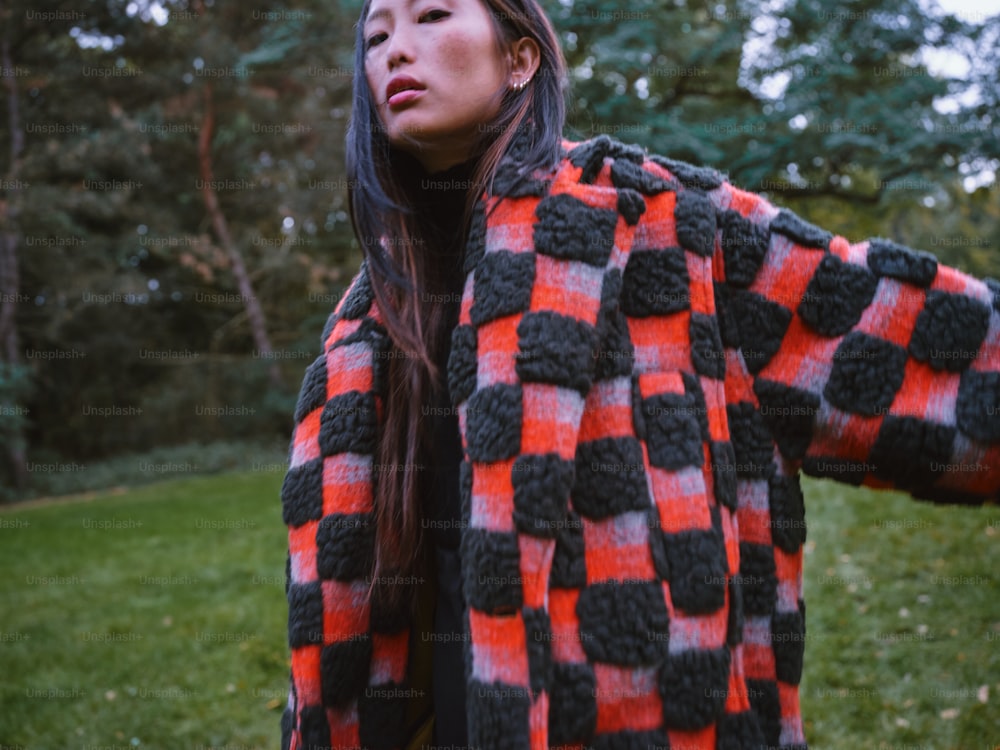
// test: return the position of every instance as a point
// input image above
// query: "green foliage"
(52, 477)
(15, 385)
(129, 300)
(134, 311)
(826, 107)
(15, 389)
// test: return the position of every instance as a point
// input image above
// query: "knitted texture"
(645, 359)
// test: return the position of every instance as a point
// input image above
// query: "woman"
(544, 478)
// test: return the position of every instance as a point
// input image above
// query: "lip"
(404, 97)
(402, 90)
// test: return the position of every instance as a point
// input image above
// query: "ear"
(525, 57)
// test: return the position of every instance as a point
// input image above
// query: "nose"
(400, 47)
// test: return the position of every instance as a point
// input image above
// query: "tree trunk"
(9, 274)
(255, 313)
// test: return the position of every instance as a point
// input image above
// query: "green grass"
(903, 622)
(151, 619)
(155, 618)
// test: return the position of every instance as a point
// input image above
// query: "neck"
(441, 163)
(438, 158)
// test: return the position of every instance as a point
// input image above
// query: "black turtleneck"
(440, 200)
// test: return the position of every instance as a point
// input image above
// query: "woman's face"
(436, 75)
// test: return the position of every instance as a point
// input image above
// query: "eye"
(433, 15)
(374, 40)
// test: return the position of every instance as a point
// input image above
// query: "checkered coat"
(646, 358)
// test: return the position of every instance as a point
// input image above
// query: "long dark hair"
(392, 239)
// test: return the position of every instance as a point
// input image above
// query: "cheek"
(465, 56)
(373, 86)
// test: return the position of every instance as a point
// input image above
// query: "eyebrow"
(384, 13)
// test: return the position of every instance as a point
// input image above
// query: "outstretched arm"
(871, 363)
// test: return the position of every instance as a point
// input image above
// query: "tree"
(829, 108)
(130, 292)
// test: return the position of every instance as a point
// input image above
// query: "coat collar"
(530, 236)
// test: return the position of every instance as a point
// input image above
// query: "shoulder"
(599, 166)
(631, 166)
(701, 195)
(646, 189)
(642, 184)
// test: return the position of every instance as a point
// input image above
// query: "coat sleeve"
(871, 363)
(328, 633)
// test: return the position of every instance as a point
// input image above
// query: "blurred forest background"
(173, 226)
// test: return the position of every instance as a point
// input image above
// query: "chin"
(406, 129)
(414, 137)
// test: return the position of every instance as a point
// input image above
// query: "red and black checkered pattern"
(645, 358)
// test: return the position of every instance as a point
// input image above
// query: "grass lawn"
(903, 623)
(156, 619)
(150, 619)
